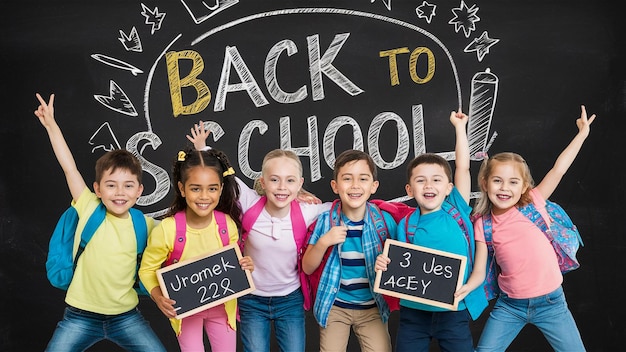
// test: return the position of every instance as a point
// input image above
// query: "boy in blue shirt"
(432, 225)
(345, 296)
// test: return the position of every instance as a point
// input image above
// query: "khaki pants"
(373, 335)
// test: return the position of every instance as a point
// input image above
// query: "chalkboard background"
(549, 56)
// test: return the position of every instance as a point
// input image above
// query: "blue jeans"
(417, 328)
(549, 313)
(80, 329)
(286, 312)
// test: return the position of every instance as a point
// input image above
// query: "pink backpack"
(299, 236)
(181, 234)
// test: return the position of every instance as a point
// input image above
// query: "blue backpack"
(561, 232)
(61, 261)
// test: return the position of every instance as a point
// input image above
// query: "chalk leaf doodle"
(131, 42)
(153, 17)
(465, 18)
(201, 10)
(104, 139)
(117, 100)
(113, 62)
(481, 45)
(426, 11)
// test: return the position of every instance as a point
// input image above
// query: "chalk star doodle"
(117, 100)
(131, 42)
(481, 45)
(426, 10)
(465, 18)
(201, 10)
(104, 139)
(154, 17)
(387, 3)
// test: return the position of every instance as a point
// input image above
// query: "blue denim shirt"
(331, 275)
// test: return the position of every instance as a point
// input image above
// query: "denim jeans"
(549, 313)
(417, 328)
(286, 312)
(80, 329)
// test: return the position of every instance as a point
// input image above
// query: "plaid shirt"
(331, 276)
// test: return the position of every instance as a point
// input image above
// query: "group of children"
(345, 248)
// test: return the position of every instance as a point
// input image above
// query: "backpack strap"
(535, 216)
(490, 285)
(95, 219)
(141, 235)
(379, 224)
(297, 222)
(249, 218)
(454, 212)
(179, 240)
(222, 226)
(488, 230)
(181, 234)
(298, 226)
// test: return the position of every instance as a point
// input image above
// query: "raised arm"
(45, 113)
(462, 176)
(567, 156)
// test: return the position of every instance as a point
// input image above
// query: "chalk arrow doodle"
(131, 42)
(104, 139)
(117, 100)
(201, 10)
(107, 60)
(481, 45)
(387, 3)
(153, 17)
(426, 11)
(465, 18)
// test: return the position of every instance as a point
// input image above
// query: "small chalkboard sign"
(421, 274)
(206, 281)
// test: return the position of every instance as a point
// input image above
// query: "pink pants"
(215, 322)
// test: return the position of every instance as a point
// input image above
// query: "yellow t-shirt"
(199, 242)
(105, 274)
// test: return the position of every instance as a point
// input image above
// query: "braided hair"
(216, 160)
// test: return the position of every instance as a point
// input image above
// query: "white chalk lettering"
(202, 275)
(410, 283)
(437, 269)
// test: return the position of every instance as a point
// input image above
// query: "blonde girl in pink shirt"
(530, 279)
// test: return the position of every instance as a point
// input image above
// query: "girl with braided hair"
(205, 183)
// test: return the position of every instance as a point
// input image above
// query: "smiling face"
(201, 191)
(281, 180)
(504, 186)
(118, 190)
(354, 184)
(428, 185)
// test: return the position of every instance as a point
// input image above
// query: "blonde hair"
(483, 204)
(281, 153)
